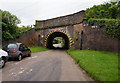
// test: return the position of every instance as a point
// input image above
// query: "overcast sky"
(30, 10)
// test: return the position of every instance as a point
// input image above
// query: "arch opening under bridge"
(52, 35)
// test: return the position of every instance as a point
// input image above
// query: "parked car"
(3, 58)
(17, 51)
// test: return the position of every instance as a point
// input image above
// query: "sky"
(30, 10)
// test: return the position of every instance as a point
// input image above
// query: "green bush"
(55, 41)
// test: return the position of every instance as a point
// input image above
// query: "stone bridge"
(77, 35)
(64, 27)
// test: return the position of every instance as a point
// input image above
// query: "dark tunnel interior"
(54, 35)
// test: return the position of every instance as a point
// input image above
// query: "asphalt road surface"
(51, 65)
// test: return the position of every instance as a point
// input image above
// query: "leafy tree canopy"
(110, 10)
(9, 22)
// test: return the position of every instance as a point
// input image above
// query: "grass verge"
(101, 66)
(37, 49)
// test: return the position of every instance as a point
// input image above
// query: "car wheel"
(19, 57)
(2, 63)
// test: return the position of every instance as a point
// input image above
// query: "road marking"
(17, 63)
(31, 70)
(21, 72)
(21, 68)
(35, 57)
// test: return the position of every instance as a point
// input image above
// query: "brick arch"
(71, 42)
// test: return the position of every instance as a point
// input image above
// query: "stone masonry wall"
(61, 21)
(29, 38)
(95, 39)
(77, 29)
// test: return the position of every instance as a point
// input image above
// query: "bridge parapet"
(61, 21)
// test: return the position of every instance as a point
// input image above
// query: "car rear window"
(12, 46)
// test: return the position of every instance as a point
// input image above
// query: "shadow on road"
(59, 48)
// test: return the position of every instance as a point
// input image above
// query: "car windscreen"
(12, 46)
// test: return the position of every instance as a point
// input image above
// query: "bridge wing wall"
(61, 21)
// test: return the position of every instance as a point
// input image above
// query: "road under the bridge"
(57, 34)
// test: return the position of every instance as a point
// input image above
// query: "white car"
(3, 58)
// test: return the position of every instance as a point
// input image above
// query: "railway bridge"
(68, 27)
(76, 34)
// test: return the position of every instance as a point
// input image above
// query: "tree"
(109, 10)
(9, 25)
